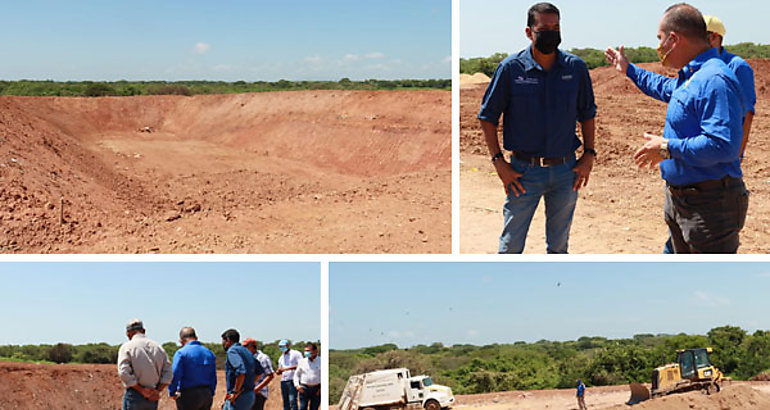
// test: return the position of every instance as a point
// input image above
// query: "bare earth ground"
(621, 210)
(27, 386)
(738, 395)
(284, 172)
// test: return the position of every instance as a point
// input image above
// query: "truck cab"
(422, 389)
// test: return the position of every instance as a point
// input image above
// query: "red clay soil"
(28, 386)
(285, 172)
(621, 210)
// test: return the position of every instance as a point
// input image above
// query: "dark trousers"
(196, 398)
(311, 397)
(706, 220)
(259, 402)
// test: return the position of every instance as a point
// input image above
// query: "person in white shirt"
(307, 379)
(287, 363)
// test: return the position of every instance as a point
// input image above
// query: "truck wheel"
(432, 405)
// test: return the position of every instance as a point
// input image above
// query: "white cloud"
(446, 60)
(201, 47)
(473, 332)
(316, 59)
(374, 55)
(709, 299)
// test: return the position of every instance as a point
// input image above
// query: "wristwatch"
(497, 156)
(664, 152)
(590, 151)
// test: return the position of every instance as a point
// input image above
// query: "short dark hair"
(540, 8)
(686, 20)
(231, 335)
(311, 345)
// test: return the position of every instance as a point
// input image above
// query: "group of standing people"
(542, 93)
(191, 380)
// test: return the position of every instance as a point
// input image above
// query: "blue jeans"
(243, 402)
(289, 393)
(555, 185)
(311, 397)
(133, 400)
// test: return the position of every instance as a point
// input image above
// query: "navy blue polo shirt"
(539, 108)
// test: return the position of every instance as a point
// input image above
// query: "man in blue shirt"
(195, 373)
(706, 199)
(541, 92)
(240, 372)
(581, 395)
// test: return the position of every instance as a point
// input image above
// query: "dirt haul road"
(283, 172)
(29, 386)
(738, 395)
(621, 209)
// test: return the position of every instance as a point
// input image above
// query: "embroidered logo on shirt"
(566, 77)
(522, 80)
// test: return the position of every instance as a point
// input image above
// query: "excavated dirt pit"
(285, 172)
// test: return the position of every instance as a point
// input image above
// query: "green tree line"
(103, 353)
(598, 361)
(595, 58)
(34, 88)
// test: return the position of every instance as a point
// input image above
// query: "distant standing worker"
(287, 363)
(541, 92)
(195, 373)
(581, 395)
(261, 389)
(143, 368)
(307, 379)
(699, 152)
(240, 372)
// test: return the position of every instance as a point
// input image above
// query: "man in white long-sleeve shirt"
(143, 368)
(307, 378)
(287, 363)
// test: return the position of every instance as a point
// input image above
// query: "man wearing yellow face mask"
(706, 199)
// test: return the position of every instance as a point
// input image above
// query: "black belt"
(710, 185)
(541, 161)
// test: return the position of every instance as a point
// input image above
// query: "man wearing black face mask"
(541, 93)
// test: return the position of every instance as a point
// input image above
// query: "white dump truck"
(394, 389)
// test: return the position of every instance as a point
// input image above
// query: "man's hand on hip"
(509, 177)
(649, 154)
(582, 170)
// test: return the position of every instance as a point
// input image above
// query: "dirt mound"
(308, 171)
(742, 397)
(620, 210)
(478, 78)
(87, 387)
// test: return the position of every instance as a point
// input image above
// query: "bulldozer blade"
(639, 393)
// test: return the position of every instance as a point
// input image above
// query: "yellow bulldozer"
(693, 371)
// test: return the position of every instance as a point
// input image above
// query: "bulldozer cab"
(692, 363)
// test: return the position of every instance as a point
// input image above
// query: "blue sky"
(484, 303)
(91, 302)
(490, 26)
(233, 40)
